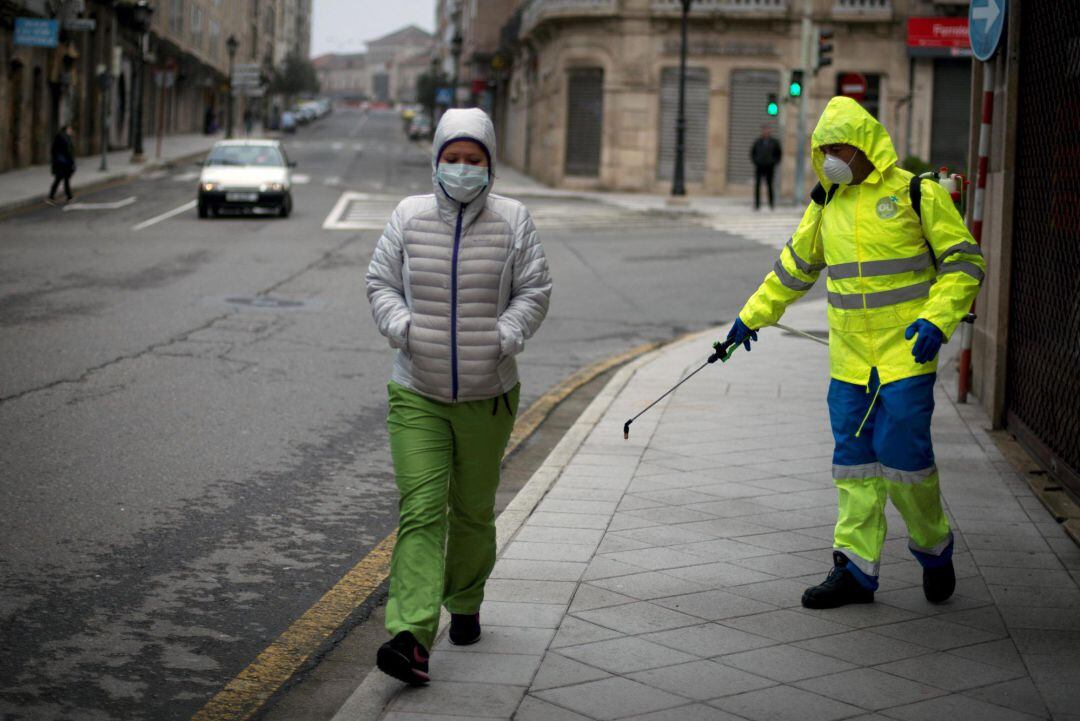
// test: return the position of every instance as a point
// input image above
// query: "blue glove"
(741, 334)
(929, 343)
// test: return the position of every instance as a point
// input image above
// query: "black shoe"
(464, 628)
(405, 659)
(838, 589)
(939, 583)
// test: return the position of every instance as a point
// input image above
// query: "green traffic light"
(795, 89)
(773, 109)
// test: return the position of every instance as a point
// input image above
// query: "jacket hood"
(845, 121)
(463, 124)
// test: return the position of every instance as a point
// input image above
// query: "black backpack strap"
(819, 196)
(915, 192)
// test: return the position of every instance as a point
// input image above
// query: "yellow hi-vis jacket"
(885, 270)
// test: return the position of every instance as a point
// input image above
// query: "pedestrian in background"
(457, 283)
(766, 154)
(249, 121)
(63, 162)
(900, 281)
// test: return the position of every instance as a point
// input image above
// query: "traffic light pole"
(800, 128)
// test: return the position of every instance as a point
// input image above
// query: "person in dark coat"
(63, 161)
(766, 155)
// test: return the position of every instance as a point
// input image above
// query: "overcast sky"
(342, 26)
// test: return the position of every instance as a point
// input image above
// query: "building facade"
(343, 76)
(184, 86)
(1026, 345)
(592, 95)
(393, 56)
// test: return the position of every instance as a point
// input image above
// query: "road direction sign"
(80, 24)
(853, 85)
(37, 33)
(986, 19)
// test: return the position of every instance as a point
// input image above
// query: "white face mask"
(462, 182)
(837, 171)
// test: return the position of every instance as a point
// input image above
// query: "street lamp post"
(677, 183)
(230, 46)
(455, 50)
(141, 13)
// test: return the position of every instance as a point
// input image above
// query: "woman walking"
(457, 283)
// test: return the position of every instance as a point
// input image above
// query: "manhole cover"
(266, 301)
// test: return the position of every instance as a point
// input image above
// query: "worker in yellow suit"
(900, 280)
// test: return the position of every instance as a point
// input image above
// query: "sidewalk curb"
(370, 699)
(107, 180)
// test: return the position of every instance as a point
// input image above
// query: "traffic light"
(823, 56)
(796, 85)
(773, 107)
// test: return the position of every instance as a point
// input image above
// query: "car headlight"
(272, 187)
(210, 186)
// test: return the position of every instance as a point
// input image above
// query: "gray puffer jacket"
(458, 287)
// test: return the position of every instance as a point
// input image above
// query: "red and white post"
(977, 221)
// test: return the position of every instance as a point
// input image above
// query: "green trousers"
(446, 461)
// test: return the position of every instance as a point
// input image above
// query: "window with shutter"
(584, 121)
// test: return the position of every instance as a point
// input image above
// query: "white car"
(239, 174)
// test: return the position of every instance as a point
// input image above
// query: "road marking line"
(332, 180)
(337, 146)
(359, 125)
(113, 205)
(358, 147)
(186, 177)
(246, 694)
(300, 179)
(165, 216)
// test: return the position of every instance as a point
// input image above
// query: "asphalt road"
(183, 472)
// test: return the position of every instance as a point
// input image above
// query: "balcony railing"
(726, 7)
(863, 9)
(538, 11)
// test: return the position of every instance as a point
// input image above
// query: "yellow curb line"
(246, 694)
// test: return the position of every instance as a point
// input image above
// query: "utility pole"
(800, 128)
(677, 183)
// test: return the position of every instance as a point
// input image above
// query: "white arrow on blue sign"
(986, 19)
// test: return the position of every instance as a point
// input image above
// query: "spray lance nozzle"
(722, 351)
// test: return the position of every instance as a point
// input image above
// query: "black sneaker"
(838, 589)
(464, 628)
(939, 583)
(405, 659)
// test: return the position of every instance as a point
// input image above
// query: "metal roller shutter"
(697, 123)
(584, 121)
(749, 95)
(949, 123)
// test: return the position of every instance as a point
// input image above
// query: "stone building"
(591, 99)
(385, 57)
(342, 76)
(186, 71)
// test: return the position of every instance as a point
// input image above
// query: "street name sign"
(36, 32)
(986, 19)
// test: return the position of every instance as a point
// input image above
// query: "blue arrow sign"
(986, 19)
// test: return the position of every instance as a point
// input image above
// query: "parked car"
(246, 174)
(288, 122)
(419, 127)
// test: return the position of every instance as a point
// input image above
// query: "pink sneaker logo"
(417, 656)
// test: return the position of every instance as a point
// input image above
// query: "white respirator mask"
(837, 171)
(462, 182)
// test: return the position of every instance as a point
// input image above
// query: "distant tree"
(427, 84)
(296, 76)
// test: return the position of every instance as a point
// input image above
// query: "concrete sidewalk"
(26, 186)
(660, 577)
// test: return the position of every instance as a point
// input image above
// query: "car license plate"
(241, 197)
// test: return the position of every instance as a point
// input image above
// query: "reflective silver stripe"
(962, 266)
(871, 268)
(870, 568)
(801, 264)
(854, 301)
(913, 477)
(854, 473)
(969, 248)
(789, 280)
(936, 550)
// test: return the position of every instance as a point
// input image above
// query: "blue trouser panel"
(890, 456)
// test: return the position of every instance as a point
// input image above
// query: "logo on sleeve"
(887, 207)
